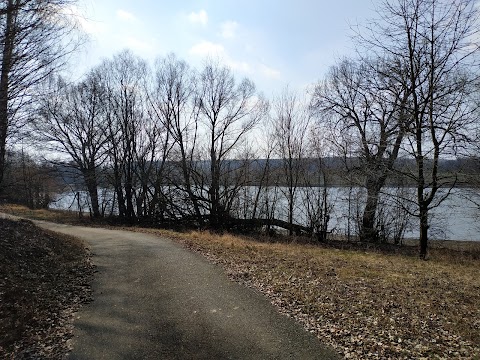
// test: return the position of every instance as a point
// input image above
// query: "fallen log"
(255, 224)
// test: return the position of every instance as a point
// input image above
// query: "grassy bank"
(58, 216)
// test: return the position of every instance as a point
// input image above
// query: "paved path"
(155, 300)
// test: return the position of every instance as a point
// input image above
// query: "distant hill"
(335, 169)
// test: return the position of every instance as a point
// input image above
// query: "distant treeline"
(328, 171)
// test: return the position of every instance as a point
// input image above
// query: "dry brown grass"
(367, 305)
(59, 216)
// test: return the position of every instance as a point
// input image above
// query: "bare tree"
(290, 122)
(317, 181)
(228, 111)
(172, 103)
(29, 181)
(260, 193)
(435, 43)
(35, 39)
(266, 195)
(358, 99)
(72, 121)
(125, 82)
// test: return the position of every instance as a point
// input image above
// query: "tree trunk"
(368, 232)
(92, 188)
(423, 232)
(215, 210)
(186, 169)
(122, 210)
(129, 192)
(4, 84)
(214, 191)
(290, 213)
(93, 192)
(117, 181)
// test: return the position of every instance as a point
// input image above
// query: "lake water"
(454, 219)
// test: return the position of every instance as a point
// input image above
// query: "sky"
(274, 43)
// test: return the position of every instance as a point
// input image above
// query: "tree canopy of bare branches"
(290, 121)
(72, 121)
(35, 40)
(408, 94)
(435, 44)
(357, 98)
(228, 110)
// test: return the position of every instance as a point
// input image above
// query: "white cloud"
(242, 66)
(228, 29)
(91, 26)
(133, 43)
(270, 72)
(125, 15)
(200, 17)
(207, 49)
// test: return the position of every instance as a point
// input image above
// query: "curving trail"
(155, 300)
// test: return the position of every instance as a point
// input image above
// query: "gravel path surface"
(154, 299)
